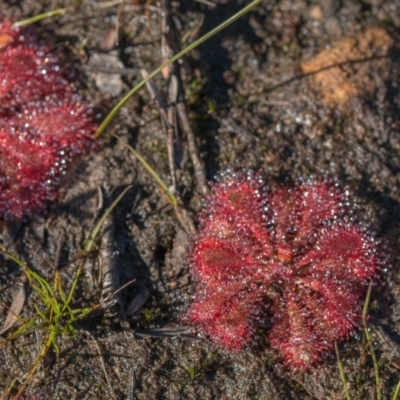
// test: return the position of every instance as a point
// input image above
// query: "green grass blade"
(53, 341)
(56, 308)
(9, 255)
(46, 290)
(73, 287)
(39, 17)
(176, 57)
(27, 327)
(58, 288)
(39, 290)
(341, 372)
(172, 199)
(41, 314)
(81, 312)
(31, 275)
(92, 237)
(396, 392)
(370, 345)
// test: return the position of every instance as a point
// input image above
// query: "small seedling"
(192, 371)
(149, 316)
(55, 314)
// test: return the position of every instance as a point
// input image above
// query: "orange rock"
(342, 72)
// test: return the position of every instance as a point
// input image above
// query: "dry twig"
(103, 366)
(110, 279)
(15, 309)
(176, 92)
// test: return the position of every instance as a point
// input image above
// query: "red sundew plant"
(45, 124)
(291, 255)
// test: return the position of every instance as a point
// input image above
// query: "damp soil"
(295, 89)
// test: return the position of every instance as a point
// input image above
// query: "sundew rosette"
(45, 123)
(287, 254)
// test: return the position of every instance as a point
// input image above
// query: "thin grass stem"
(9, 255)
(92, 237)
(172, 199)
(396, 391)
(111, 115)
(39, 358)
(4, 395)
(39, 17)
(370, 345)
(73, 287)
(341, 372)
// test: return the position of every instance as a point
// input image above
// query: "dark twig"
(172, 131)
(198, 164)
(169, 113)
(120, 7)
(169, 47)
(103, 366)
(131, 387)
(166, 332)
(167, 123)
(110, 278)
